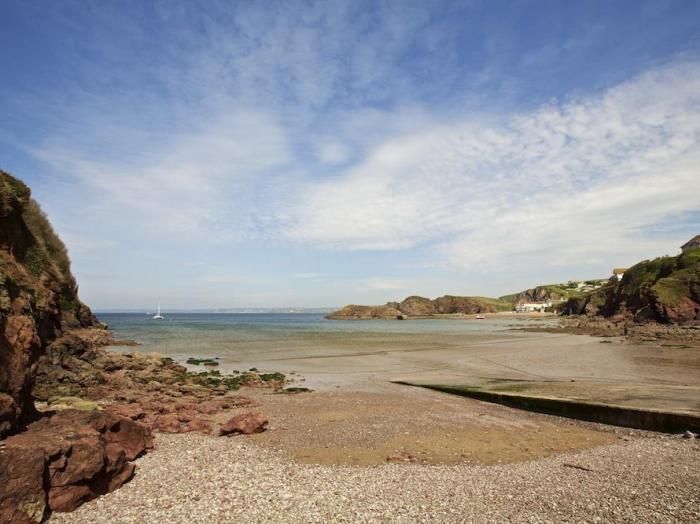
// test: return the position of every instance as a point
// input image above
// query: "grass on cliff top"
(497, 303)
(559, 289)
(670, 279)
(670, 291)
(45, 252)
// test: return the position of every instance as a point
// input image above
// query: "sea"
(248, 337)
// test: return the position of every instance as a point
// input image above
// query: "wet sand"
(649, 375)
(393, 423)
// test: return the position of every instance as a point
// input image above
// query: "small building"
(530, 307)
(618, 272)
(691, 244)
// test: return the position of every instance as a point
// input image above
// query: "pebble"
(635, 481)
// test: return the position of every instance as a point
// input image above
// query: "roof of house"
(695, 241)
(619, 270)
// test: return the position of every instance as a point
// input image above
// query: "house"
(691, 244)
(529, 307)
(618, 272)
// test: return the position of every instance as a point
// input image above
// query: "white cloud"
(573, 180)
(307, 276)
(184, 183)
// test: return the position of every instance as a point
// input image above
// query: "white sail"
(158, 316)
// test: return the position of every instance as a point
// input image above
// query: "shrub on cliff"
(665, 289)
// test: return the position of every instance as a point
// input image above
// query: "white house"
(618, 272)
(529, 307)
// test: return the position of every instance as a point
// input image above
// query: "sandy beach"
(459, 461)
(362, 449)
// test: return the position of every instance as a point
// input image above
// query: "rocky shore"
(598, 326)
(97, 413)
(73, 416)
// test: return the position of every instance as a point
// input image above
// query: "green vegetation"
(510, 388)
(553, 292)
(36, 260)
(267, 377)
(496, 303)
(295, 389)
(232, 382)
(47, 239)
(199, 361)
(665, 289)
(13, 193)
(30, 237)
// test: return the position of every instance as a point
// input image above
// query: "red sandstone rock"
(166, 423)
(20, 346)
(62, 461)
(200, 425)
(246, 423)
(22, 496)
(131, 411)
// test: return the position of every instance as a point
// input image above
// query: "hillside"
(38, 298)
(665, 289)
(551, 292)
(421, 307)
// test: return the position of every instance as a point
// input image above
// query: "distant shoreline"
(459, 316)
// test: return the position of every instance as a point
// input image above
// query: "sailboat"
(158, 316)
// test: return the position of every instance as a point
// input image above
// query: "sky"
(266, 154)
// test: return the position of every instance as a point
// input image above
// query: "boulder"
(130, 411)
(246, 424)
(59, 462)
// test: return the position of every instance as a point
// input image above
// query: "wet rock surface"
(688, 332)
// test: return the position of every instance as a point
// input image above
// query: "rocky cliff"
(421, 307)
(50, 461)
(38, 298)
(666, 289)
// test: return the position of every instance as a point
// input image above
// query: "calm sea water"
(245, 337)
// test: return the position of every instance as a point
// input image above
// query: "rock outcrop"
(355, 312)
(62, 461)
(665, 290)
(245, 424)
(56, 457)
(38, 299)
(421, 307)
(50, 462)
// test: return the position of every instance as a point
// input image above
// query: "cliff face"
(38, 298)
(415, 306)
(665, 289)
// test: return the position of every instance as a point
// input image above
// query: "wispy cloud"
(569, 181)
(369, 148)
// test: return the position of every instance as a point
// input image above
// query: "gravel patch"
(194, 478)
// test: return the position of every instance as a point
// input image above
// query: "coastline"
(338, 453)
(357, 431)
(459, 316)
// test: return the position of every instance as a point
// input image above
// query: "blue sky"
(240, 154)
